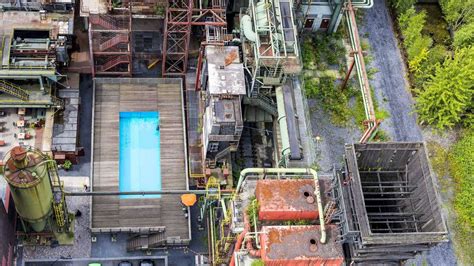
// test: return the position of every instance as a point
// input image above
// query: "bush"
(416, 44)
(447, 99)
(252, 210)
(67, 165)
(331, 98)
(457, 12)
(309, 54)
(462, 169)
(411, 25)
(464, 37)
(258, 262)
(402, 5)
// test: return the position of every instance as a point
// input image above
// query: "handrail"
(317, 191)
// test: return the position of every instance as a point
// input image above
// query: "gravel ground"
(330, 146)
(392, 93)
(391, 87)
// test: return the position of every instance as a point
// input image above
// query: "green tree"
(447, 99)
(461, 167)
(411, 25)
(464, 36)
(457, 12)
(402, 5)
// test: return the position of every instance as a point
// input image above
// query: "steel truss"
(181, 15)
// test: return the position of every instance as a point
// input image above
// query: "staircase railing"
(112, 63)
(113, 41)
(13, 90)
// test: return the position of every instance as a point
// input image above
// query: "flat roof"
(289, 245)
(291, 199)
(111, 213)
(225, 79)
(56, 23)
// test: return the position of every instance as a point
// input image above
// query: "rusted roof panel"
(299, 245)
(286, 199)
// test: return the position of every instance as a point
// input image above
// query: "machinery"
(38, 196)
(269, 43)
(31, 60)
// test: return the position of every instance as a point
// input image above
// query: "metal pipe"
(119, 193)
(310, 171)
(363, 4)
(285, 138)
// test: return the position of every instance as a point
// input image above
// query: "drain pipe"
(317, 190)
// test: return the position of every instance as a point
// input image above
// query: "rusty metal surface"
(287, 199)
(299, 245)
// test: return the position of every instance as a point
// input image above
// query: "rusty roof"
(287, 243)
(289, 195)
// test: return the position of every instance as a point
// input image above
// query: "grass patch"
(359, 110)
(461, 166)
(323, 51)
(252, 210)
(332, 98)
(258, 262)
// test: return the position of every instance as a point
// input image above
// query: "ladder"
(13, 90)
(329, 210)
(263, 102)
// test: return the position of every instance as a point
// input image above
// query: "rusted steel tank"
(26, 172)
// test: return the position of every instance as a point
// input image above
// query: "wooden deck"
(112, 213)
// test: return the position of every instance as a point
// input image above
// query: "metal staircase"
(143, 242)
(329, 211)
(121, 59)
(117, 39)
(263, 102)
(104, 22)
(13, 90)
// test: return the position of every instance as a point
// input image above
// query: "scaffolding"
(181, 15)
(269, 43)
(109, 42)
(389, 205)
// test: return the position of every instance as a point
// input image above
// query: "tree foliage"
(447, 99)
(331, 98)
(402, 5)
(464, 36)
(458, 12)
(461, 167)
(416, 44)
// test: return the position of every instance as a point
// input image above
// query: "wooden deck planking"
(165, 211)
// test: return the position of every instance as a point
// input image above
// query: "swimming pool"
(139, 153)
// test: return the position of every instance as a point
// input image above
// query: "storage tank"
(26, 172)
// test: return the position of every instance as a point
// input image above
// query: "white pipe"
(246, 27)
(317, 191)
(363, 4)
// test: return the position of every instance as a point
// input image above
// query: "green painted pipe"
(246, 27)
(308, 171)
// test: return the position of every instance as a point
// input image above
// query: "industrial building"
(200, 137)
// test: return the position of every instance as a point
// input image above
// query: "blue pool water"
(139, 162)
